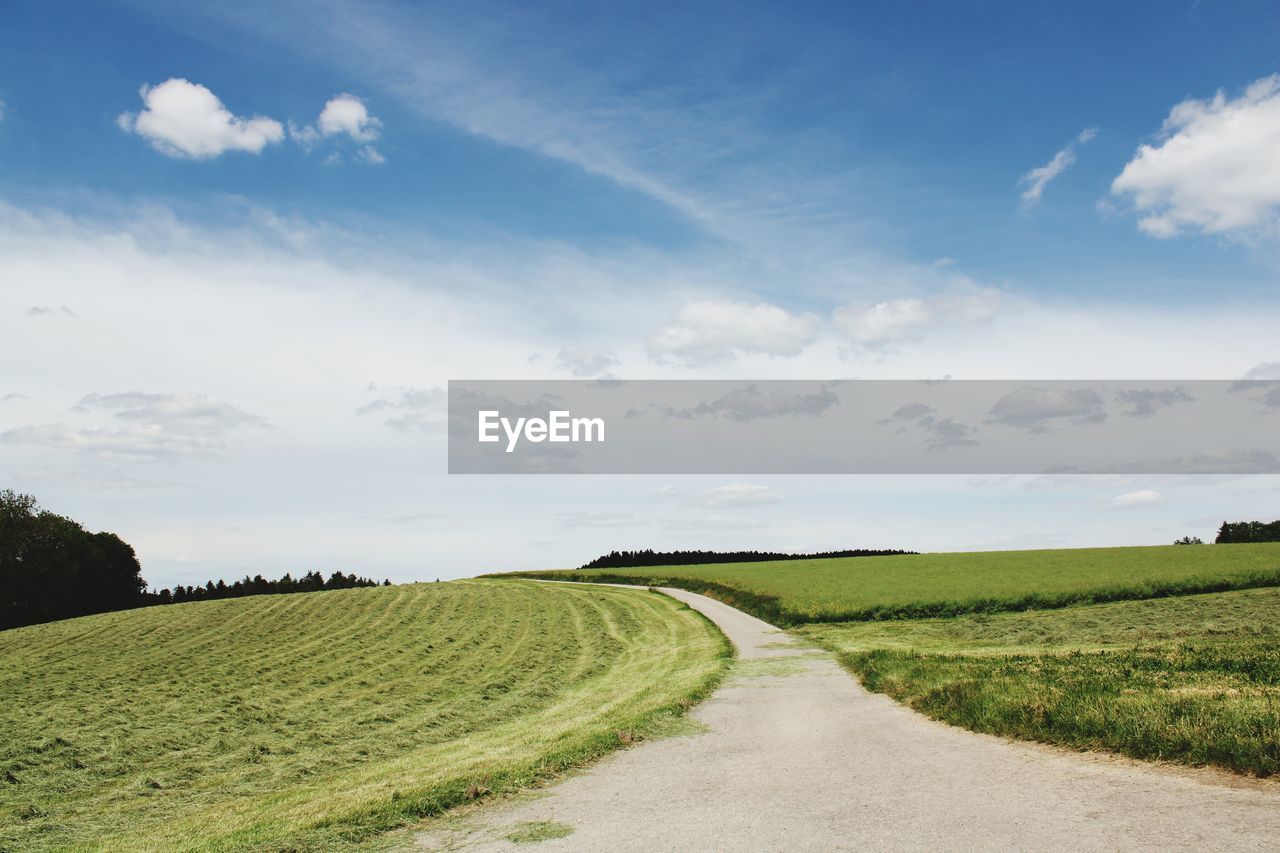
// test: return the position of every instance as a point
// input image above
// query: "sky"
(243, 247)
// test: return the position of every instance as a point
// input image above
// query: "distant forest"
(1249, 531)
(52, 568)
(258, 585)
(649, 557)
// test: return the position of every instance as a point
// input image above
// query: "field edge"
(770, 609)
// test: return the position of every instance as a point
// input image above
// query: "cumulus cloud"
(1143, 497)
(1037, 179)
(587, 363)
(185, 119)
(882, 324)
(712, 331)
(1214, 168)
(343, 115)
(348, 114)
(158, 426)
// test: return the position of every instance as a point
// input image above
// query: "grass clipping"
(317, 720)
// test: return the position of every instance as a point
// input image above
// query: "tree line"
(1249, 531)
(258, 585)
(52, 568)
(649, 557)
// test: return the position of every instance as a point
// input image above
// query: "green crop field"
(1167, 652)
(1194, 679)
(912, 586)
(315, 720)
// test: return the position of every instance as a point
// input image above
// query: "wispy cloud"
(1037, 179)
(158, 426)
(1140, 498)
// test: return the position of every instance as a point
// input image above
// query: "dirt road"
(798, 756)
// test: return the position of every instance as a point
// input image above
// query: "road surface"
(797, 756)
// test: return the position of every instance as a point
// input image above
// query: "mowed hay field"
(313, 721)
(1194, 679)
(923, 585)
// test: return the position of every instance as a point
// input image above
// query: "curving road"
(798, 756)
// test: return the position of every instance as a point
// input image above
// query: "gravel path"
(799, 757)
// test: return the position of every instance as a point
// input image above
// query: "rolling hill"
(312, 720)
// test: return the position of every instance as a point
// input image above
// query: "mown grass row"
(1194, 680)
(316, 720)
(925, 586)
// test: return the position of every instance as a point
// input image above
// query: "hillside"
(319, 718)
(924, 585)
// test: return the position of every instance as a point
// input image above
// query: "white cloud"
(343, 115)
(291, 319)
(1037, 179)
(711, 331)
(1214, 168)
(884, 323)
(184, 119)
(1265, 370)
(155, 426)
(348, 114)
(1143, 497)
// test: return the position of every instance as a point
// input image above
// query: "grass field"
(926, 585)
(1194, 679)
(315, 720)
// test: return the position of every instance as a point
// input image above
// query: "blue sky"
(903, 126)
(571, 189)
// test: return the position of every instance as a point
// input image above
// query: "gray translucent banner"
(863, 427)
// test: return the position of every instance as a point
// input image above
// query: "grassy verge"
(917, 586)
(1194, 680)
(318, 720)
